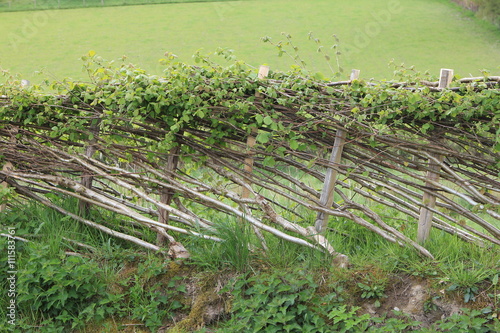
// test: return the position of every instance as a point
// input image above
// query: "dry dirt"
(416, 298)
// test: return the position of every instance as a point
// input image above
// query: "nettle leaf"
(200, 113)
(269, 161)
(294, 144)
(426, 127)
(263, 137)
(268, 120)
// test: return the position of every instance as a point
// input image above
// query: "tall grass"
(455, 260)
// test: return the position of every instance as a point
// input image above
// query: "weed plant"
(281, 302)
(61, 292)
(284, 288)
(291, 301)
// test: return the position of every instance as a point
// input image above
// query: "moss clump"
(200, 313)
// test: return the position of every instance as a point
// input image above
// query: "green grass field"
(429, 34)
(22, 5)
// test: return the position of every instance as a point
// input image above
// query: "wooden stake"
(445, 77)
(249, 160)
(354, 74)
(263, 72)
(167, 195)
(428, 198)
(87, 179)
(327, 196)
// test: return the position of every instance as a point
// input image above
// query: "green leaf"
(268, 120)
(426, 127)
(263, 137)
(259, 119)
(200, 113)
(269, 161)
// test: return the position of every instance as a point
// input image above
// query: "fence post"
(263, 72)
(166, 195)
(326, 199)
(87, 179)
(445, 77)
(428, 198)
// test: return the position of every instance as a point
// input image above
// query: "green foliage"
(371, 291)
(472, 321)
(288, 48)
(151, 305)
(58, 289)
(283, 302)
(222, 100)
(147, 297)
(418, 109)
(290, 302)
(495, 291)
(466, 279)
(397, 322)
(373, 286)
(348, 320)
(182, 99)
(59, 293)
(69, 293)
(7, 194)
(272, 301)
(490, 10)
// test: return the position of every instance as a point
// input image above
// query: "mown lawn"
(429, 34)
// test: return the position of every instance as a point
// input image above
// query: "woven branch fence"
(287, 155)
